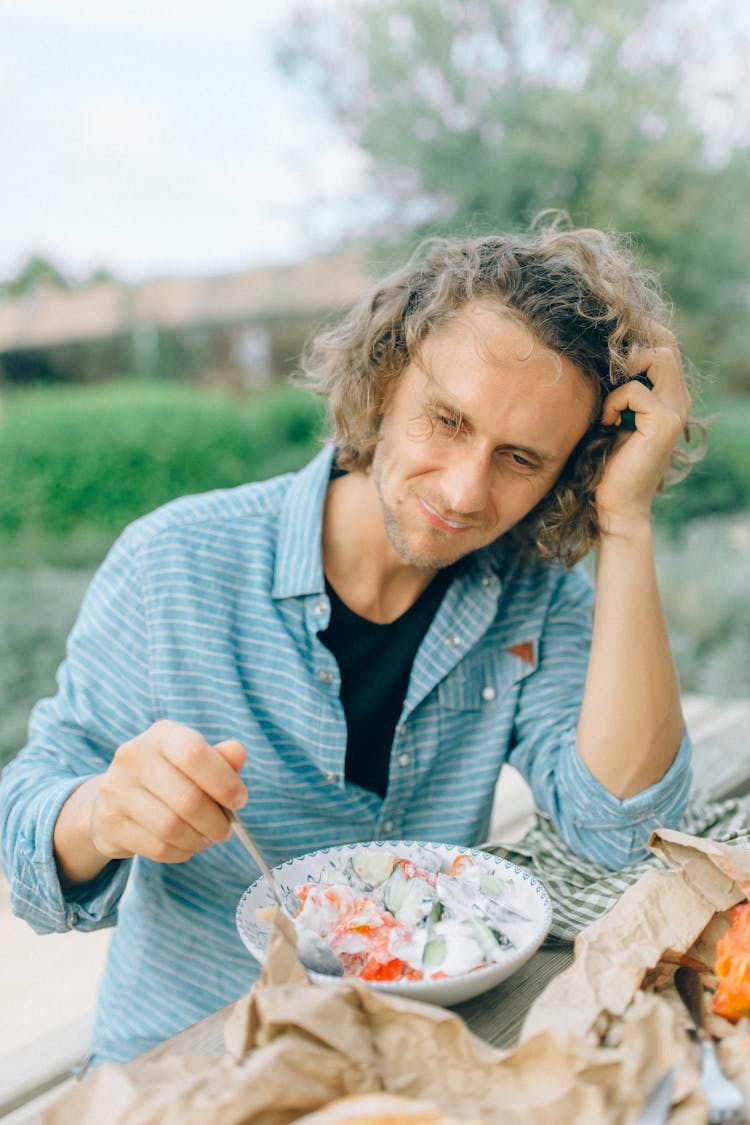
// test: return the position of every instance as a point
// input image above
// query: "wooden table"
(720, 729)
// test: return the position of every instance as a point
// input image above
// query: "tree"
(35, 272)
(478, 115)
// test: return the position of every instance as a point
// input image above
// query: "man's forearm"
(631, 723)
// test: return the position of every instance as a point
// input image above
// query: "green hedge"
(85, 461)
(79, 463)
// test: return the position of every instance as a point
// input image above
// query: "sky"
(151, 137)
(156, 137)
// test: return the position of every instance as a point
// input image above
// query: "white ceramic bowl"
(529, 897)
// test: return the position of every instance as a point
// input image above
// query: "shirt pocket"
(481, 682)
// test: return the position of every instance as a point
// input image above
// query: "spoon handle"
(690, 988)
(244, 836)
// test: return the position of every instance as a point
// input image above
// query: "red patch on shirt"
(524, 650)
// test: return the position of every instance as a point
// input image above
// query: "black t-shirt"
(375, 664)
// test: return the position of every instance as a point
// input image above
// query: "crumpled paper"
(594, 1043)
(668, 917)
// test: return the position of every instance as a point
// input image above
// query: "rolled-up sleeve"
(103, 699)
(595, 823)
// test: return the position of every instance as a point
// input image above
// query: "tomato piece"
(352, 963)
(411, 870)
(382, 970)
(302, 893)
(732, 998)
(459, 863)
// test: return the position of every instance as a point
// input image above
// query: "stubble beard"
(423, 559)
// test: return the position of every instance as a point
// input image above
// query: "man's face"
(475, 435)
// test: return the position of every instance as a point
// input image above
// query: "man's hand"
(162, 797)
(637, 465)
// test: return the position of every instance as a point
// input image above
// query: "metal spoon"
(725, 1100)
(313, 952)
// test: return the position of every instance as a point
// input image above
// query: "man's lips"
(442, 522)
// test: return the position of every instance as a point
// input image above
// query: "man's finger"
(233, 752)
(663, 368)
(190, 753)
(137, 839)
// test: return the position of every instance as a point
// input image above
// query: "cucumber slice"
(492, 941)
(481, 932)
(456, 895)
(428, 860)
(331, 874)
(394, 891)
(493, 887)
(416, 903)
(433, 954)
(498, 914)
(436, 913)
(373, 868)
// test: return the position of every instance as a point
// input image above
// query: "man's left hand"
(639, 461)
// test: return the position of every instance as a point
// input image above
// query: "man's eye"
(447, 421)
(522, 461)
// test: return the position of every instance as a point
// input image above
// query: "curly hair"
(582, 294)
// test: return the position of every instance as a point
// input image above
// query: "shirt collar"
(299, 557)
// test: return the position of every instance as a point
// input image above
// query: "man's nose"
(465, 481)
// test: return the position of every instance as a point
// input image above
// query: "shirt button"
(453, 640)
(486, 581)
(403, 759)
(320, 607)
(332, 778)
(388, 826)
(488, 693)
(325, 676)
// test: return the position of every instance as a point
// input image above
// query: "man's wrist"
(78, 859)
(635, 528)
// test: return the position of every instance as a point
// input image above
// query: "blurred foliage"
(704, 576)
(78, 463)
(479, 115)
(40, 273)
(36, 272)
(37, 608)
(721, 481)
(83, 462)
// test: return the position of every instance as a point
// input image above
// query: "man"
(352, 652)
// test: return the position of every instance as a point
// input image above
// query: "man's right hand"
(162, 797)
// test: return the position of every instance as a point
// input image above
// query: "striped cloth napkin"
(581, 891)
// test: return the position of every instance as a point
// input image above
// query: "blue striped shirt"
(207, 612)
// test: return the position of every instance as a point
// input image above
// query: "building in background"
(238, 331)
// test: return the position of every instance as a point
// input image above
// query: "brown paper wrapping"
(594, 1043)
